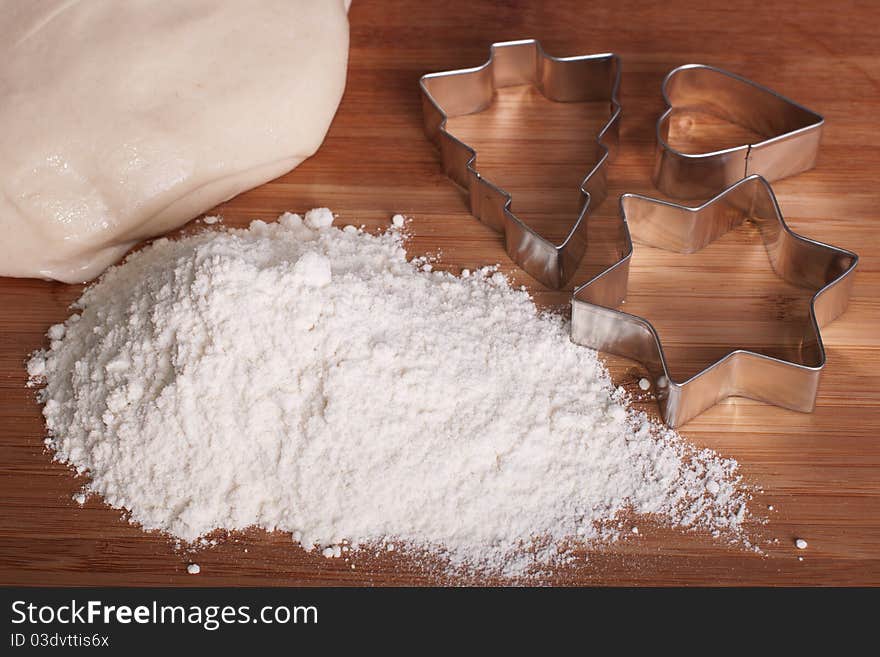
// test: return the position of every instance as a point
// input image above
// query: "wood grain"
(820, 472)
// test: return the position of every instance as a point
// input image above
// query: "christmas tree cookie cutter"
(564, 79)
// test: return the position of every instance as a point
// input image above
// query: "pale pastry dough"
(123, 120)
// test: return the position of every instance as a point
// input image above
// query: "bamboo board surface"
(820, 472)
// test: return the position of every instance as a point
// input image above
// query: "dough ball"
(123, 120)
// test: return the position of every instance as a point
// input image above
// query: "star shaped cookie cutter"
(597, 323)
(791, 133)
(567, 79)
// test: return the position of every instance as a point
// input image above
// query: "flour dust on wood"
(298, 377)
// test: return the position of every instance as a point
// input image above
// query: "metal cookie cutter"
(798, 260)
(791, 133)
(568, 79)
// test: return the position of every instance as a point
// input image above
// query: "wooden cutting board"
(819, 472)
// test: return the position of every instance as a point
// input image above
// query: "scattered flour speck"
(319, 218)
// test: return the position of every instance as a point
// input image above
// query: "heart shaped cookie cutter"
(564, 79)
(791, 133)
(828, 270)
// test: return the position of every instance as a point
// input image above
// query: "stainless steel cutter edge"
(465, 91)
(792, 133)
(596, 323)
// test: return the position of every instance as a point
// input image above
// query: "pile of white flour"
(299, 377)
